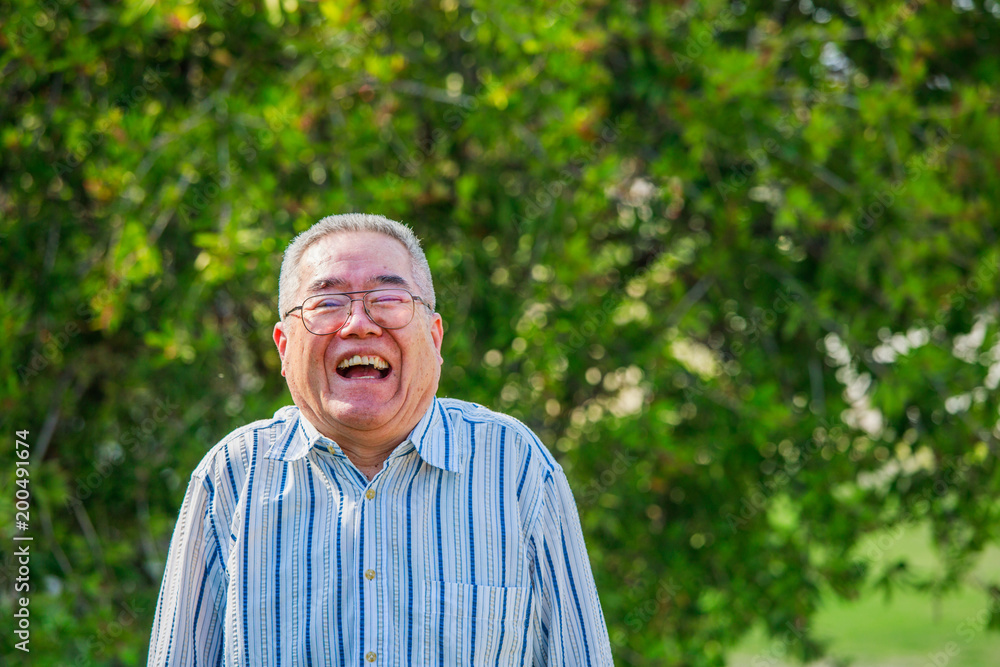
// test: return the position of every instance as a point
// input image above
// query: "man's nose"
(358, 323)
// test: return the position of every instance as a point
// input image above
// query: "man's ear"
(437, 335)
(280, 341)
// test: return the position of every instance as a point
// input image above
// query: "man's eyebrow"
(388, 279)
(323, 284)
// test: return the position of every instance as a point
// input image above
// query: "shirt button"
(370, 574)
(370, 656)
(369, 494)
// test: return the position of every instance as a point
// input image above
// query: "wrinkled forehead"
(346, 261)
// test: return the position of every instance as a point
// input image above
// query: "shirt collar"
(435, 440)
(311, 437)
(432, 437)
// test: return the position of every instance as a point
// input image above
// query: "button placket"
(340, 492)
(372, 597)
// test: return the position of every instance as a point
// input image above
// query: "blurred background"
(735, 262)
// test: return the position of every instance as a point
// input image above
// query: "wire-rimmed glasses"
(389, 308)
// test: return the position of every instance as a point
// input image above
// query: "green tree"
(735, 262)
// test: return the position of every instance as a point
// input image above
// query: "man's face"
(354, 407)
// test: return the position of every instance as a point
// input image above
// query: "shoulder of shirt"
(525, 439)
(239, 442)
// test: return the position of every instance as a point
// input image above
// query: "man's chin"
(363, 415)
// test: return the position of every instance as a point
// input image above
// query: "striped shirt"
(465, 549)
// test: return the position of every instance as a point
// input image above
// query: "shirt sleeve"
(187, 629)
(569, 624)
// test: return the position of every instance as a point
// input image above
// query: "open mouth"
(363, 367)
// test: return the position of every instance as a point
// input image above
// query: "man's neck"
(367, 450)
(369, 461)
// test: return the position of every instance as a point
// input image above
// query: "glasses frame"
(350, 311)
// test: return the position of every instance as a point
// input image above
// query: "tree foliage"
(735, 262)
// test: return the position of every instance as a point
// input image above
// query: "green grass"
(907, 630)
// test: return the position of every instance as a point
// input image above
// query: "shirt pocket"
(469, 624)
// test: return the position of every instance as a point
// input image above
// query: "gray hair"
(290, 280)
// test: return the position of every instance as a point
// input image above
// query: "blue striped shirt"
(465, 549)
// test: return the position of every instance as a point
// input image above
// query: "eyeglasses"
(325, 314)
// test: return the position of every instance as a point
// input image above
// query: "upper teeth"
(357, 359)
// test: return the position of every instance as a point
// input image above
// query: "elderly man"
(372, 523)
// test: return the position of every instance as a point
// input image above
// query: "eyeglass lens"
(388, 308)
